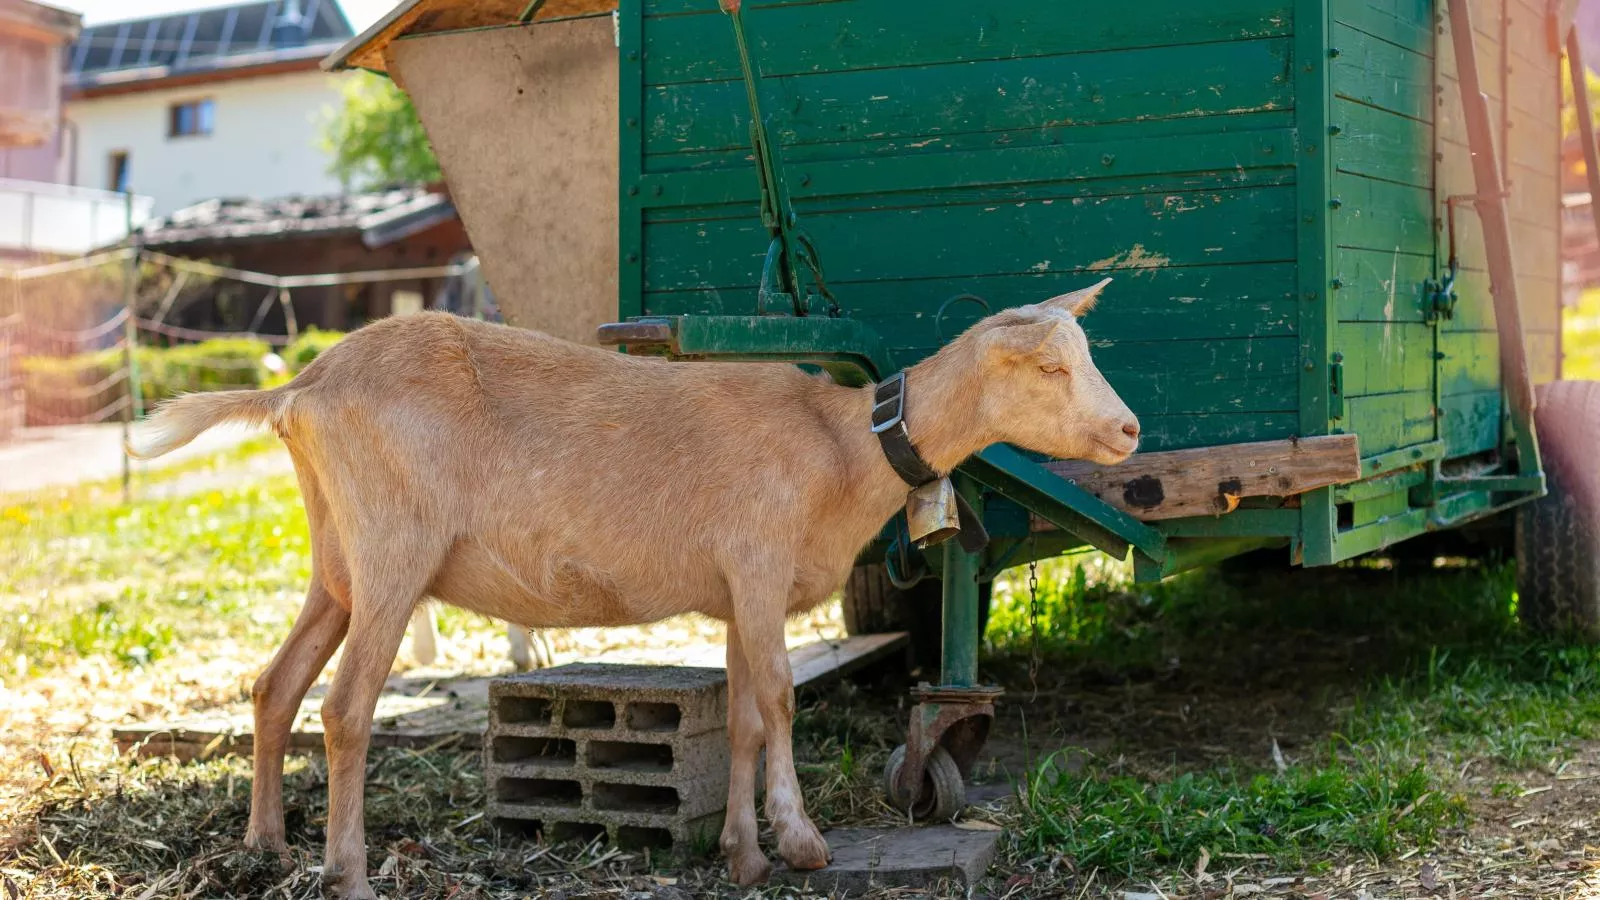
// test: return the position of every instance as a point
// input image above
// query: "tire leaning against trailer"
(873, 605)
(1558, 535)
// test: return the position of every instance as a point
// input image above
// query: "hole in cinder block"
(632, 757)
(518, 829)
(543, 791)
(636, 798)
(632, 837)
(546, 751)
(589, 714)
(525, 710)
(653, 716)
(582, 832)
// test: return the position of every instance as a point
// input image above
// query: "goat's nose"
(1131, 429)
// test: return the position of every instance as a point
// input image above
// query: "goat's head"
(1040, 389)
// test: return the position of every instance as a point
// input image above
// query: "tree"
(376, 138)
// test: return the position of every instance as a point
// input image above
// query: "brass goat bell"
(932, 516)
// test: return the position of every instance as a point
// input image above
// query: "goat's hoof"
(346, 886)
(749, 869)
(268, 841)
(802, 847)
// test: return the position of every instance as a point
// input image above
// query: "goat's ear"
(1078, 302)
(1024, 339)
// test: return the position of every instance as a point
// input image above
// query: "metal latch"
(1336, 387)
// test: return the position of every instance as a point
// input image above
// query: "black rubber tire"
(1558, 536)
(944, 793)
(873, 605)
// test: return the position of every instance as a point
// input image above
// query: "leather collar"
(889, 424)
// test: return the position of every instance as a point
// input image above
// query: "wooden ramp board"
(426, 713)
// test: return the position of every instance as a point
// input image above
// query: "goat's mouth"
(1120, 453)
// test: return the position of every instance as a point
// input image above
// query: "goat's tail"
(182, 419)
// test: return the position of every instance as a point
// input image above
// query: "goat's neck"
(943, 417)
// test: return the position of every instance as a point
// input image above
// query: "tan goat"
(550, 484)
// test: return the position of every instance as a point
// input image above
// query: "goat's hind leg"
(741, 842)
(387, 582)
(277, 695)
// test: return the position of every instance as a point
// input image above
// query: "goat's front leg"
(741, 842)
(277, 695)
(383, 596)
(759, 612)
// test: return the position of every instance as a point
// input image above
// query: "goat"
(551, 484)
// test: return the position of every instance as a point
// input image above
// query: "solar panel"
(206, 38)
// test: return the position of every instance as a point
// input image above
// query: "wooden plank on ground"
(421, 713)
(1209, 481)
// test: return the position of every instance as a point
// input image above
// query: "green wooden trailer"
(1333, 227)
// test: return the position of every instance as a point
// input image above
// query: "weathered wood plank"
(801, 40)
(998, 95)
(421, 712)
(1211, 480)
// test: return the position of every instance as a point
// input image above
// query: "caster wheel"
(943, 793)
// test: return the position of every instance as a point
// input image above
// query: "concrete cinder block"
(637, 752)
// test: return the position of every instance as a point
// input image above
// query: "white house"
(222, 102)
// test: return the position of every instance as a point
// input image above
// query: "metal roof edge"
(338, 60)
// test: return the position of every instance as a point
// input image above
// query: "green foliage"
(376, 138)
(215, 365)
(1124, 824)
(75, 387)
(308, 346)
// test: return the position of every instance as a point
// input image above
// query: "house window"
(189, 119)
(118, 171)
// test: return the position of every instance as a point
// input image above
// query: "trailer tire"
(873, 605)
(1558, 535)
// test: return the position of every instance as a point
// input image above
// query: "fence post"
(290, 326)
(130, 339)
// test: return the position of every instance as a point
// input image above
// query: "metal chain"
(1033, 619)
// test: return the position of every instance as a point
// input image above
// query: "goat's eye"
(1053, 370)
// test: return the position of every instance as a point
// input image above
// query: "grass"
(1381, 688)
(1290, 722)
(135, 583)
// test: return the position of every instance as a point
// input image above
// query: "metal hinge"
(1336, 387)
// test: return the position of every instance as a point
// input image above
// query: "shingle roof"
(380, 218)
(226, 37)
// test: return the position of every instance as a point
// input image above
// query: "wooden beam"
(1210, 481)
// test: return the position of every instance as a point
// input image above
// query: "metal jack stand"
(926, 776)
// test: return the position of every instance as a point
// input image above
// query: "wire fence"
(103, 337)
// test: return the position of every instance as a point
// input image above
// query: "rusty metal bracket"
(957, 719)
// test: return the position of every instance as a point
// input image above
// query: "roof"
(219, 41)
(379, 218)
(414, 17)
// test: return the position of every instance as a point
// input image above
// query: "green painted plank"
(1408, 23)
(1370, 538)
(1380, 287)
(1381, 215)
(1381, 144)
(834, 37)
(1376, 509)
(1157, 433)
(943, 146)
(1193, 302)
(1470, 423)
(1101, 233)
(994, 96)
(1390, 421)
(1385, 357)
(1471, 362)
(1381, 74)
(1116, 159)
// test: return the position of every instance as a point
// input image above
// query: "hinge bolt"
(1334, 129)
(1335, 203)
